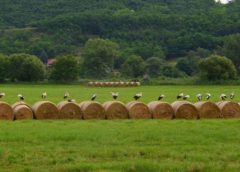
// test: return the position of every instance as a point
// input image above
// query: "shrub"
(66, 69)
(217, 68)
(24, 67)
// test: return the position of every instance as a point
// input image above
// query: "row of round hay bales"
(113, 84)
(118, 110)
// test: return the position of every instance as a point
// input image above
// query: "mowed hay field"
(126, 145)
(32, 93)
(118, 145)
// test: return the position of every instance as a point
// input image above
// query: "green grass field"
(33, 93)
(141, 145)
(118, 145)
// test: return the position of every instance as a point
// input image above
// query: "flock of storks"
(137, 96)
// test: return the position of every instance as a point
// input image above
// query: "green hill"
(143, 27)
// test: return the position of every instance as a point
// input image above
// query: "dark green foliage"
(99, 56)
(4, 66)
(66, 69)
(189, 65)
(133, 66)
(24, 67)
(171, 71)
(154, 66)
(217, 68)
(231, 49)
(149, 28)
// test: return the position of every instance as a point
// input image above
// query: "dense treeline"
(150, 38)
(100, 60)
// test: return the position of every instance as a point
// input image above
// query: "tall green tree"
(25, 67)
(99, 55)
(217, 68)
(65, 69)
(133, 67)
(154, 66)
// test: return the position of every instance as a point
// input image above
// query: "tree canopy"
(217, 68)
(144, 27)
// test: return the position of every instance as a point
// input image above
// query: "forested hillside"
(144, 27)
(140, 39)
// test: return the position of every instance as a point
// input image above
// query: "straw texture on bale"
(115, 110)
(92, 110)
(6, 111)
(184, 110)
(138, 110)
(229, 109)
(208, 110)
(69, 110)
(22, 111)
(45, 110)
(161, 110)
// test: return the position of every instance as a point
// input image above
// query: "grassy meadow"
(32, 93)
(140, 145)
(118, 145)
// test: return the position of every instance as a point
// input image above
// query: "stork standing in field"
(2, 95)
(115, 95)
(20, 96)
(186, 97)
(180, 96)
(208, 96)
(232, 95)
(199, 97)
(137, 96)
(94, 96)
(44, 95)
(66, 96)
(161, 97)
(223, 97)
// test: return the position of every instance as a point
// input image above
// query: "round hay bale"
(69, 110)
(22, 111)
(208, 110)
(92, 110)
(90, 84)
(96, 84)
(229, 109)
(138, 110)
(6, 111)
(161, 110)
(121, 84)
(111, 84)
(127, 84)
(45, 110)
(184, 110)
(18, 103)
(138, 83)
(131, 83)
(115, 110)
